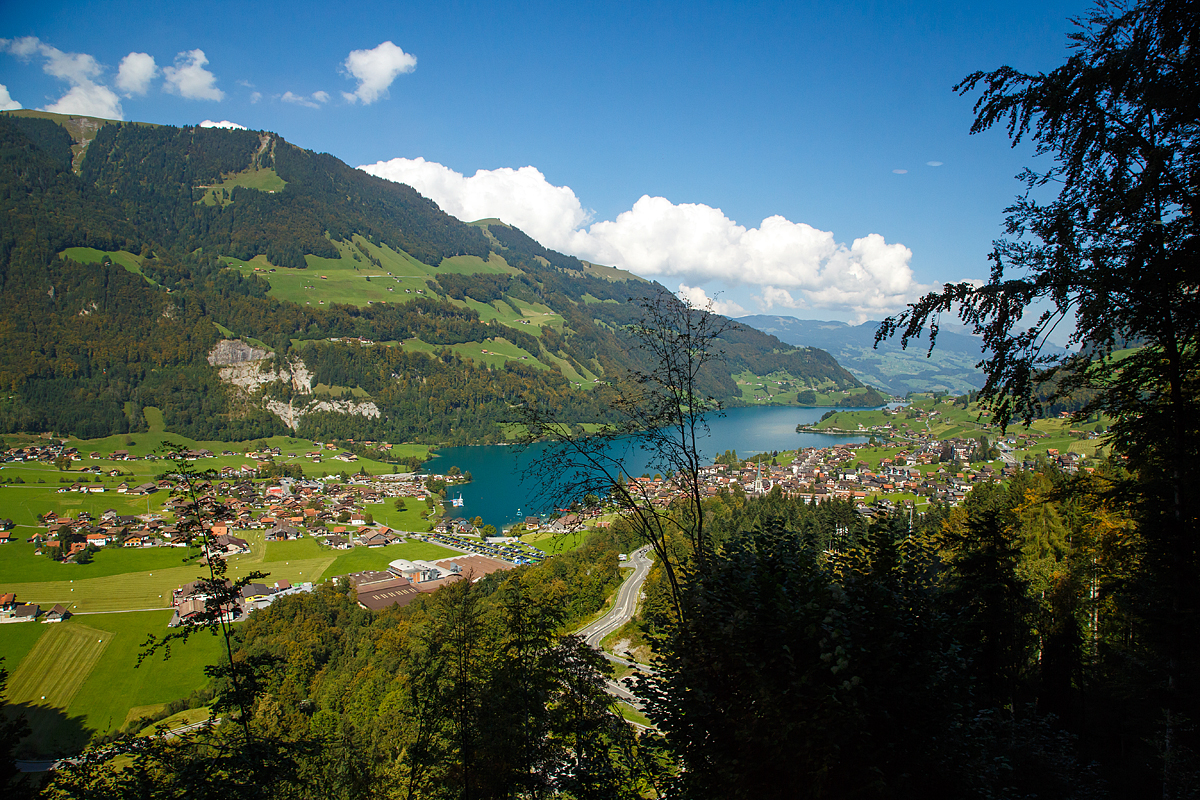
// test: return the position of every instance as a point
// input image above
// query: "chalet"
(226, 544)
(57, 614)
(142, 538)
(377, 539)
(283, 533)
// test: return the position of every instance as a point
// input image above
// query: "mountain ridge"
(949, 368)
(125, 267)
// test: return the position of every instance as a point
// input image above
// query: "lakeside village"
(333, 512)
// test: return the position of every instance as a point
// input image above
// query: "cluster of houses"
(11, 610)
(46, 452)
(67, 536)
(819, 474)
(53, 449)
(196, 598)
(284, 509)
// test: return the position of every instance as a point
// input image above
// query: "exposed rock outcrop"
(235, 351)
(250, 368)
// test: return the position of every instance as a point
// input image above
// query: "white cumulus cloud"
(86, 96)
(698, 298)
(521, 197)
(375, 70)
(89, 100)
(792, 264)
(208, 123)
(189, 78)
(135, 73)
(6, 101)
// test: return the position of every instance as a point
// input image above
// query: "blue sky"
(661, 135)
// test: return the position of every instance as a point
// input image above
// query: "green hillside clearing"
(264, 180)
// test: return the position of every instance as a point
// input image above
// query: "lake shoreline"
(498, 496)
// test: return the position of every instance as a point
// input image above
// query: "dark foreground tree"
(1108, 239)
(661, 410)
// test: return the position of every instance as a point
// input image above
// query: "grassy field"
(519, 314)
(873, 455)
(18, 563)
(79, 677)
(16, 640)
(90, 255)
(499, 351)
(187, 717)
(955, 421)
(412, 518)
(855, 420)
(295, 549)
(362, 274)
(154, 441)
(555, 543)
(57, 666)
(781, 388)
(115, 685)
(264, 180)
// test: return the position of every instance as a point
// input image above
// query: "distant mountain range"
(951, 367)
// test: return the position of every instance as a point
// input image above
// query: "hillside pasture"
(473, 265)
(116, 684)
(264, 180)
(90, 255)
(782, 388)
(500, 351)
(362, 274)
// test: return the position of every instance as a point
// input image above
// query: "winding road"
(623, 608)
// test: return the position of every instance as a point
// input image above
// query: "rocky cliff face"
(249, 369)
(235, 351)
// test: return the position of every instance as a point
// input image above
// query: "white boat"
(458, 501)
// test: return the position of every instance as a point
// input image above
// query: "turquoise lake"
(498, 495)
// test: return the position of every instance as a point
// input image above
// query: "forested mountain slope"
(129, 251)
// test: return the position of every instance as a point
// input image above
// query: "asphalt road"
(624, 605)
(621, 612)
